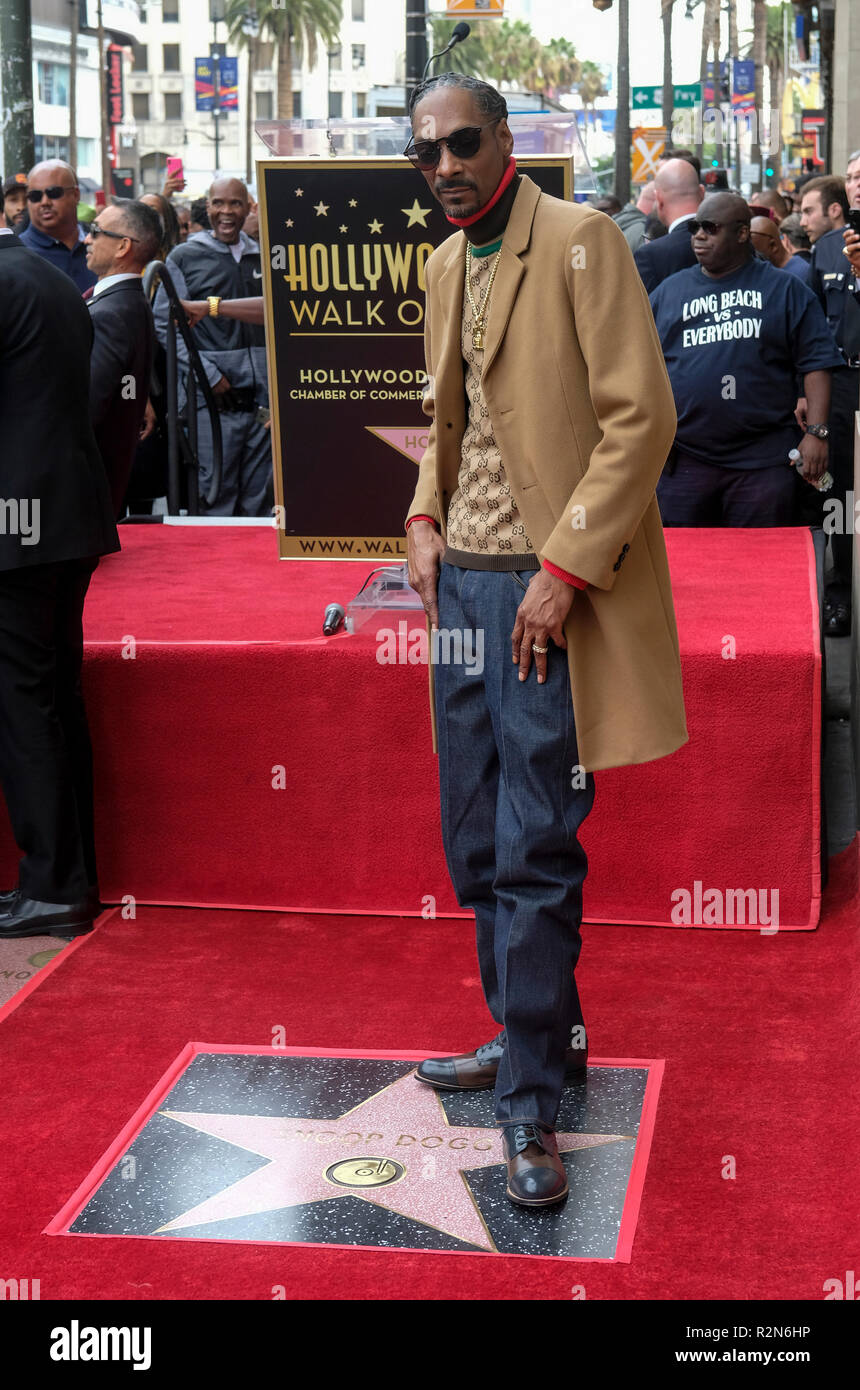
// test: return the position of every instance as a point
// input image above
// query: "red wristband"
(431, 519)
(563, 574)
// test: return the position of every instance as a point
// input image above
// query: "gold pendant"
(478, 338)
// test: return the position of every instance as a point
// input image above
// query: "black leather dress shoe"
(837, 619)
(92, 898)
(476, 1071)
(25, 917)
(536, 1174)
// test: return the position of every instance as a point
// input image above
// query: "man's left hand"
(813, 451)
(540, 619)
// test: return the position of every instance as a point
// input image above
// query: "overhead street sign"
(651, 98)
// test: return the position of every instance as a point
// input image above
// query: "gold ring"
(543, 650)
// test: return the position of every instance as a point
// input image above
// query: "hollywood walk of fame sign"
(344, 247)
(354, 1151)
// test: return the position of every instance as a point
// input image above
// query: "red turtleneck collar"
(503, 184)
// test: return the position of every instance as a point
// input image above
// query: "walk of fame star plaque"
(305, 1146)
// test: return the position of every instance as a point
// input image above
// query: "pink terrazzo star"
(417, 1160)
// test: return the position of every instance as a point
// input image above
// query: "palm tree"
(471, 55)
(297, 27)
(710, 53)
(622, 114)
(559, 67)
(759, 52)
(668, 83)
(243, 31)
(591, 83)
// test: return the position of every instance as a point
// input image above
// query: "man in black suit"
(823, 212)
(55, 521)
(121, 241)
(679, 194)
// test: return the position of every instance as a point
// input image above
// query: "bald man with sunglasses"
(54, 232)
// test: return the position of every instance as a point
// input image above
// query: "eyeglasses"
(97, 231)
(462, 144)
(708, 227)
(57, 190)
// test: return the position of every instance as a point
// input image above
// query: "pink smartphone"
(174, 168)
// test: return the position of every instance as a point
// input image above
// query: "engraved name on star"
(416, 214)
(415, 1161)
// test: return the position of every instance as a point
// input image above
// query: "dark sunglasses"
(97, 231)
(463, 144)
(57, 190)
(708, 227)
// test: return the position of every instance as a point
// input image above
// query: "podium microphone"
(461, 32)
(333, 620)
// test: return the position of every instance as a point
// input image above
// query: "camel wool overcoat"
(582, 411)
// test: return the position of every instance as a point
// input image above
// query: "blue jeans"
(513, 798)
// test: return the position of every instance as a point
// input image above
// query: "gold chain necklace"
(480, 314)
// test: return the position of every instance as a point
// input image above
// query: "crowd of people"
(757, 305)
(759, 361)
(82, 395)
(755, 301)
(210, 248)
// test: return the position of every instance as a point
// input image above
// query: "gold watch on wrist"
(214, 301)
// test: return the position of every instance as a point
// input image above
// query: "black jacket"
(832, 279)
(120, 370)
(657, 260)
(50, 469)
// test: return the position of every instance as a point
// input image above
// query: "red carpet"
(208, 679)
(759, 1035)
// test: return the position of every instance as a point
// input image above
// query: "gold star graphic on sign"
(416, 214)
(289, 222)
(300, 192)
(375, 225)
(353, 202)
(343, 227)
(321, 208)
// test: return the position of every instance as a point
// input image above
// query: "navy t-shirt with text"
(734, 347)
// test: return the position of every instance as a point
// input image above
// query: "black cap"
(13, 185)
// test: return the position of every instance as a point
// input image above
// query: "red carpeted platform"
(242, 759)
(750, 1190)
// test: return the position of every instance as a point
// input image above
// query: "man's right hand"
(425, 547)
(222, 387)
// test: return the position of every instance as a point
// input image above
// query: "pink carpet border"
(59, 1225)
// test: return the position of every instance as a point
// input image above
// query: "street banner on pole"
(648, 143)
(743, 85)
(204, 83)
(228, 83)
